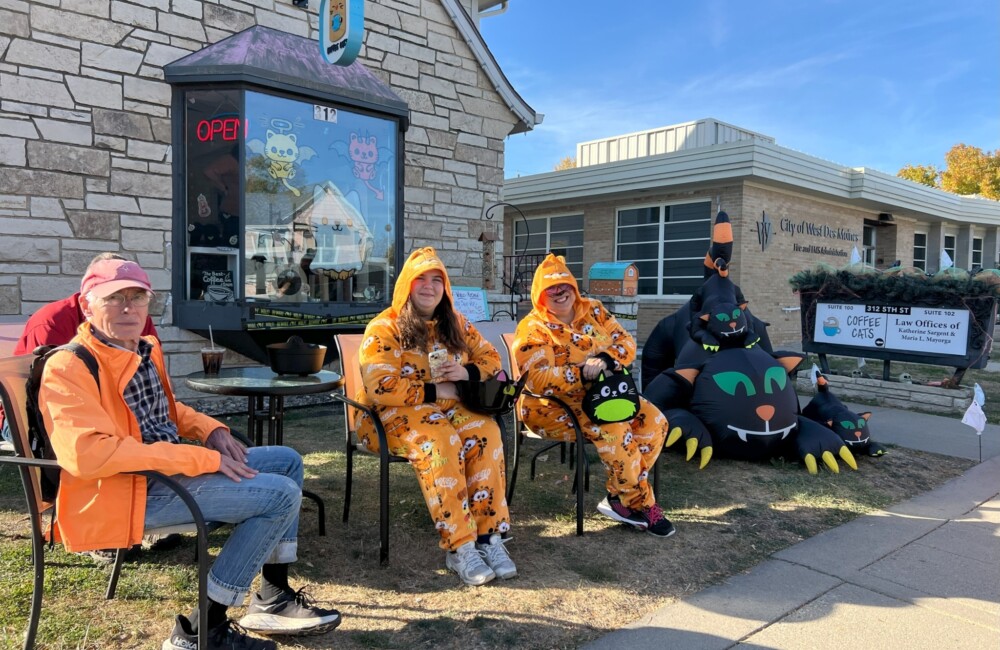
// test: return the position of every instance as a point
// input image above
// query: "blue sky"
(876, 83)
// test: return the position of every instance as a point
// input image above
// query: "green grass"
(570, 589)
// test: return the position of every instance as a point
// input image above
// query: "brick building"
(89, 161)
(649, 198)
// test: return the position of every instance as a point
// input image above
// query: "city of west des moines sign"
(909, 329)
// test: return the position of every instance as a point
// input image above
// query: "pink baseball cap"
(105, 277)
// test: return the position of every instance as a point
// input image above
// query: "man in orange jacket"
(133, 423)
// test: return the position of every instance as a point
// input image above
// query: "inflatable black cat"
(827, 409)
(727, 392)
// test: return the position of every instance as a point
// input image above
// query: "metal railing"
(518, 271)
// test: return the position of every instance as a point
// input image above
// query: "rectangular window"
(667, 243)
(977, 252)
(920, 250)
(949, 247)
(535, 238)
(320, 208)
(215, 133)
(868, 242)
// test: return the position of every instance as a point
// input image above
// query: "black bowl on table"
(296, 357)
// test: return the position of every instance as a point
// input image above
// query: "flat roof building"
(649, 198)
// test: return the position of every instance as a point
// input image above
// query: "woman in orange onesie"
(562, 345)
(411, 357)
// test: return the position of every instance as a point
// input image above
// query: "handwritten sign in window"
(471, 303)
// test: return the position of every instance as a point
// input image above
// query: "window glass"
(320, 202)
(868, 243)
(638, 216)
(560, 235)
(666, 250)
(977, 251)
(949, 246)
(215, 129)
(920, 251)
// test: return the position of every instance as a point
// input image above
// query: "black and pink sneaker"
(658, 525)
(613, 508)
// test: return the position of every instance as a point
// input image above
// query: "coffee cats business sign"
(341, 30)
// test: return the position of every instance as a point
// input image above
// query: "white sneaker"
(497, 558)
(468, 563)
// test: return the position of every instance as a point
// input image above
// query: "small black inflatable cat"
(827, 409)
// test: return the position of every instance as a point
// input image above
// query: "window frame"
(953, 249)
(572, 264)
(921, 262)
(662, 207)
(868, 247)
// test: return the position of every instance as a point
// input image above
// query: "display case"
(288, 196)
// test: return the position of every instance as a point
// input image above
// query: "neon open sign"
(227, 128)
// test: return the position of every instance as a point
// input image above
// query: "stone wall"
(951, 401)
(85, 156)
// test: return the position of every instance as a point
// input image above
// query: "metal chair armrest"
(574, 422)
(199, 522)
(383, 443)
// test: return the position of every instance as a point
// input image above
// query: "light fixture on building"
(301, 3)
(885, 217)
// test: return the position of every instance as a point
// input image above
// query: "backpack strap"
(81, 353)
(84, 355)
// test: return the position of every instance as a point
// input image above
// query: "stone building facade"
(85, 129)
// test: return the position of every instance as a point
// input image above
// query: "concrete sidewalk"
(922, 574)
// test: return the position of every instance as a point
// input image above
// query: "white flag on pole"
(975, 418)
(946, 262)
(855, 255)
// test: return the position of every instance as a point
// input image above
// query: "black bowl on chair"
(296, 357)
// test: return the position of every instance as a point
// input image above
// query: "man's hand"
(593, 367)
(452, 371)
(221, 441)
(447, 390)
(235, 469)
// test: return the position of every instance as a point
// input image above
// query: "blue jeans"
(265, 510)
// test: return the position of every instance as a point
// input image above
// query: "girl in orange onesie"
(412, 354)
(562, 345)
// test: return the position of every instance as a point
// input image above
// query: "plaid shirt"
(147, 399)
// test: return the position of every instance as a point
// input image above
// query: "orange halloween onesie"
(456, 453)
(550, 352)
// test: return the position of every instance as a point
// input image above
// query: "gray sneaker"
(468, 563)
(497, 558)
(293, 612)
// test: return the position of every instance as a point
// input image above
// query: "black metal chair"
(347, 350)
(14, 373)
(578, 457)
(521, 431)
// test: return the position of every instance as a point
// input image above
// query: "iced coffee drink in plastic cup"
(211, 360)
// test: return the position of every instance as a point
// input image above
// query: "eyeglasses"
(140, 299)
(558, 289)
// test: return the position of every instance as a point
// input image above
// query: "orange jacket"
(393, 376)
(96, 437)
(550, 352)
